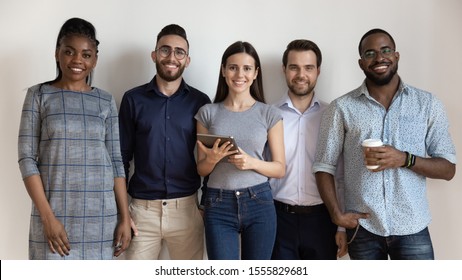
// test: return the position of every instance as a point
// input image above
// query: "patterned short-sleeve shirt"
(415, 122)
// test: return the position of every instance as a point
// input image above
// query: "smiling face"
(170, 68)
(301, 72)
(380, 69)
(239, 72)
(77, 57)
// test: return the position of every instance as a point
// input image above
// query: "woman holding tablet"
(240, 218)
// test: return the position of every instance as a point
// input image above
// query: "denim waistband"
(244, 192)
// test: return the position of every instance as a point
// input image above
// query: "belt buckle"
(288, 209)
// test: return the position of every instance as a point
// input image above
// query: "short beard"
(381, 81)
(301, 93)
(166, 76)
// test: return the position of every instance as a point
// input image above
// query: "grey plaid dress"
(71, 139)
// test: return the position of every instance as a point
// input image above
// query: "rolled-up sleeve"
(438, 141)
(330, 141)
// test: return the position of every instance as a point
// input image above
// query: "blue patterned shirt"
(415, 122)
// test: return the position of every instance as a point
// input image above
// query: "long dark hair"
(256, 89)
(75, 26)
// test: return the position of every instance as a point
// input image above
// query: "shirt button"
(164, 203)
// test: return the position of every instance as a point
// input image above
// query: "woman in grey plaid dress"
(69, 157)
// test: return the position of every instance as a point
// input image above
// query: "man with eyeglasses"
(158, 132)
(386, 209)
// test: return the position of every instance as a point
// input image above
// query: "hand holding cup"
(370, 143)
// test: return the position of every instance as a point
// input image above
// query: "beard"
(301, 91)
(166, 75)
(384, 80)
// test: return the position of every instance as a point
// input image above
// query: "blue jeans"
(368, 246)
(246, 213)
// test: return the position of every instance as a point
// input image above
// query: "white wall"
(428, 34)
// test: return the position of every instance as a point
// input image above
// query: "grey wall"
(427, 32)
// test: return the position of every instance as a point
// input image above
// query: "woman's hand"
(216, 153)
(54, 230)
(242, 161)
(56, 235)
(123, 236)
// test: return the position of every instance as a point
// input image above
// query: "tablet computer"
(209, 139)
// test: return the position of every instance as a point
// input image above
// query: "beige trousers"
(177, 222)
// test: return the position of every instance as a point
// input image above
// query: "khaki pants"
(177, 222)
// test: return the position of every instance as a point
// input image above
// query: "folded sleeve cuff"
(322, 167)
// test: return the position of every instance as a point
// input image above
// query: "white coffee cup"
(368, 143)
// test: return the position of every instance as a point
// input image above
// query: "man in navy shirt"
(158, 132)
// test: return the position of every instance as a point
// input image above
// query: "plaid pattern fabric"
(71, 140)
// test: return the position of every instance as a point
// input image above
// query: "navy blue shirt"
(159, 133)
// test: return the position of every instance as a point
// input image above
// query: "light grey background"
(427, 32)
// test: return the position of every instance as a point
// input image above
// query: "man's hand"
(349, 219)
(341, 241)
(385, 157)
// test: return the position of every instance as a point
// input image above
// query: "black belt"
(297, 209)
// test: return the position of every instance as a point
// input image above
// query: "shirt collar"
(285, 102)
(362, 90)
(183, 89)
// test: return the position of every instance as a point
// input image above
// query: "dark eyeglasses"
(371, 54)
(165, 51)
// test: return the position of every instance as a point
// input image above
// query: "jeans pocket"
(264, 197)
(212, 200)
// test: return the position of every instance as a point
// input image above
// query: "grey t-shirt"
(250, 130)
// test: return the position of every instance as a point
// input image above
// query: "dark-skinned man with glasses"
(386, 209)
(158, 134)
